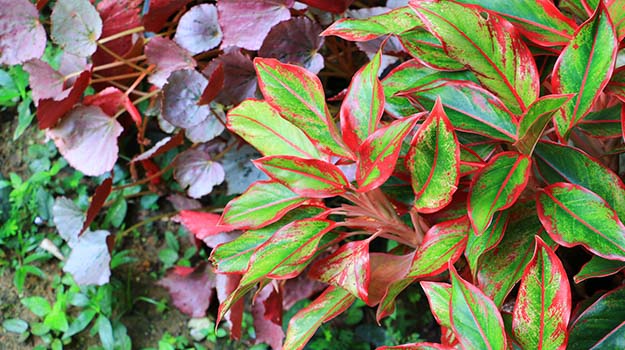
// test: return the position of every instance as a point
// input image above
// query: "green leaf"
(234, 256)
(584, 67)
(105, 331)
(332, 302)
(311, 178)
(496, 187)
(469, 107)
(535, 119)
(15, 325)
(603, 123)
(598, 267)
(601, 325)
(263, 203)
(37, 305)
(378, 154)
(392, 22)
(426, 48)
(363, 104)
(543, 306)
(479, 244)
(434, 162)
(475, 320)
(574, 215)
(439, 296)
(489, 46)
(80, 323)
(538, 20)
(56, 318)
(262, 127)
(298, 95)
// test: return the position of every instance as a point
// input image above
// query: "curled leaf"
(196, 170)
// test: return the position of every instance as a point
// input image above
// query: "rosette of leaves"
(476, 166)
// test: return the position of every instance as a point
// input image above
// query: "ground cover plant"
(343, 155)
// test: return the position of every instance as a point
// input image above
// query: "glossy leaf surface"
(393, 22)
(479, 244)
(439, 296)
(426, 48)
(601, 325)
(598, 267)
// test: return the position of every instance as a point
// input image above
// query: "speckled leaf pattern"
(496, 187)
(489, 46)
(258, 123)
(434, 162)
(378, 154)
(574, 215)
(298, 95)
(469, 107)
(393, 22)
(304, 324)
(598, 267)
(543, 305)
(262, 204)
(416, 346)
(538, 20)
(601, 325)
(584, 67)
(363, 105)
(478, 245)
(535, 119)
(475, 320)
(426, 48)
(347, 268)
(311, 178)
(439, 296)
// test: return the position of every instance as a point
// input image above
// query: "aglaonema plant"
(472, 168)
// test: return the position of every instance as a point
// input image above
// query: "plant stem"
(121, 34)
(120, 58)
(117, 63)
(147, 179)
(144, 222)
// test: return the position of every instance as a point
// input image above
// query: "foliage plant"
(483, 163)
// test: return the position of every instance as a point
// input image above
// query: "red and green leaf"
(475, 320)
(378, 154)
(538, 20)
(258, 123)
(426, 48)
(363, 105)
(416, 346)
(543, 305)
(601, 325)
(496, 187)
(584, 67)
(574, 215)
(434, 162)
(598, 267)
(489, 46)
(385, 270)
(347, 268)
(535, 120)
(439, 296)
(332, 302)
(298, 95)
(311, 178)
(477, 245)
(396, 21)
(262, 204)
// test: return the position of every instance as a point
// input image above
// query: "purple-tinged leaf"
(239, 77)
(298, 95)
(68, 219)
(311, 178)
(543, 305)
(396, 21)
(168, 57)
(347, 268)
(181, 95)
(241, 171)
(496, 187)
(379, 153)
(300, 288)
(258, 123)
(475, 320)
(89, 260)
(363, 105)
(584, 67)
(434, 162)
(601, 325)
(159, 11)
(262, 204)
(182, 202)
(596, 267)
(84, 132)
(385, 270)
(166, 144)
(22, 37)
(246, 24)
(489, 46)
(332, 302)
(295, 41)
(208, 129)
(45, 82)
(76, 26)
(267, 314)
(191, 289)
(195, 169)
(535, 120)
(198, 29)
(574, 215)
(49, 110)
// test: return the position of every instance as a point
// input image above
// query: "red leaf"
(191, 289)
(201, 224)
(150, 169)
(334, 6)
(267, 313)
(117, 16)
(50, 111)
(168, 58)
(386, 269)
(111, 100)
(97, 201)
(215, 84)
(239, 80)
(226, 284)
(159, 11)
